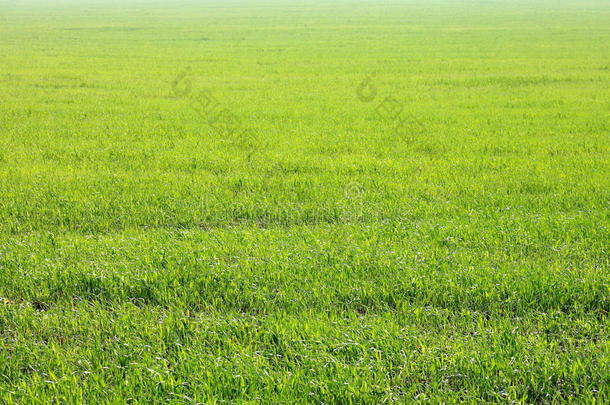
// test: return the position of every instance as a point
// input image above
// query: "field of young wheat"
(304, 202)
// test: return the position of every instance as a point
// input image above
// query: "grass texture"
(304, 202)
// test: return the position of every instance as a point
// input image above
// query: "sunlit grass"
(306, 246)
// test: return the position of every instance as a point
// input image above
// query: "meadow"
(304, 202)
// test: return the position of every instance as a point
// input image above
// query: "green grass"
(305, 249)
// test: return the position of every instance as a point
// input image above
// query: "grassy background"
(317, 254)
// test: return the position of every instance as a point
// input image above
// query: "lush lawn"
(397, 201)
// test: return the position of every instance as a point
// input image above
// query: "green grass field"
(304, 202)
